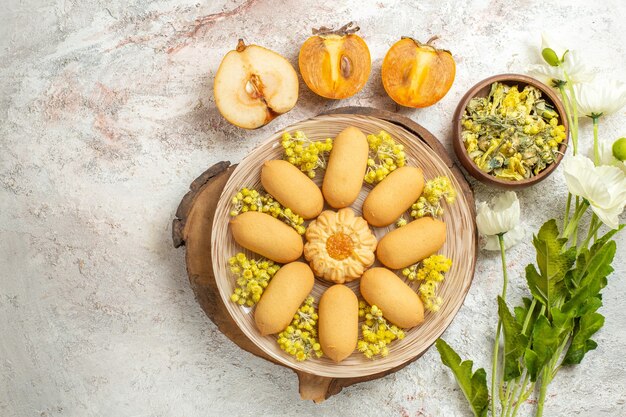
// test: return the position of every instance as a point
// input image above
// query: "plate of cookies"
(344, 245)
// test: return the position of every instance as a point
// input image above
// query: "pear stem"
(241, 45)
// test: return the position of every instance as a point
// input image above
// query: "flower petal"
(511, 213)
(575, 169)
(515, 236)
(595, 190)
(484, 219)
(576, 68)
(492, 243)
(615, 181)
(503, 217)
(603, 186)
(605, 154)
(601, 96)
(606, 157)
(508, 204)
(546, 73)
(610, 216)
(511, 239)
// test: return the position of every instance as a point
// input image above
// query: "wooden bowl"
(482, 90)
(460, 246)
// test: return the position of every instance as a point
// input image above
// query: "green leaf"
(545, 340)
(585, 297)
(521, 313)
(608, 235)
(561, 322)
(549, 235)
(531, 361)
(581, 341)
(583, 300)
(536, 284)
(573, 276)
(594, 261)
(547, 284)
(599, 263)
(474, 386)
(514, 341)
(592, 305)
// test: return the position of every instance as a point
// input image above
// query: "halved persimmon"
(415, 74)
(335, 63)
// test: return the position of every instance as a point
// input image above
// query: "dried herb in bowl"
(511, 134)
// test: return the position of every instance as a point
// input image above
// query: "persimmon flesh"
(416, 74)
(335, 66)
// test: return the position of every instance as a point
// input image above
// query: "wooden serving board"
(192, 228)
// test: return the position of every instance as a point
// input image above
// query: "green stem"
(548, 373)
(596, 159)
(510, 402)
(557, 357)
(566, 103)
(574, 130)
(544, 389)
(596, 147)
(572, 227)
(574, 241)
(496, 346)
(572, 119)
(529, 391)
(494, 369)
(543, 310)
(594, 226)
(522, 391)
(529, 315)
(505, 276)
(523, 394)
(507, 397)
(567, 209)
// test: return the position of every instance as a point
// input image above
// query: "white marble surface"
(107, 115)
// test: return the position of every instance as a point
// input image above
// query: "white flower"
(504, 217)
(603, 186)
(568, 61)
(576, 69)
(606, 157)
(600, 97)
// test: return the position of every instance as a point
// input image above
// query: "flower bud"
(619, 149)
(550, 57)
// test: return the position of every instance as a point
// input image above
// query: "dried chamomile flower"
(402, 221)
(304, 153)
(429, 203)
(385, 156)
(511, 134)
(377, 333)
(299, 339)
(252, 200)
(252, 277)
(431, 272)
